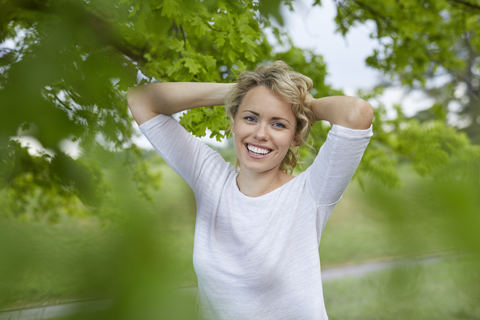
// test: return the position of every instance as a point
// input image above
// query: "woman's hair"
(290, 85)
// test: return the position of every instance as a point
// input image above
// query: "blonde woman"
(258, 227)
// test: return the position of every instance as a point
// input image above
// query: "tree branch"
(101, 27)
(466, 4)
(106, 33)
(183, 36)
(212, 28)
(374, 12)
(376, 16)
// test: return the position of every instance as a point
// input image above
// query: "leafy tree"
(431, 45)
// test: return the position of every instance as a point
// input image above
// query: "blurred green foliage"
(132, 262)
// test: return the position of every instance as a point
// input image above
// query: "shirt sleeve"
(336, 162)
(193, 160)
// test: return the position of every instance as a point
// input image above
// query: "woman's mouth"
(257, 151)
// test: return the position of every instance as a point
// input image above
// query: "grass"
(444, 290)
(357, 231)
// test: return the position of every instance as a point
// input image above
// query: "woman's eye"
(279, 125)
(249, 119)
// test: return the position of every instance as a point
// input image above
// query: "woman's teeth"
(257, 149)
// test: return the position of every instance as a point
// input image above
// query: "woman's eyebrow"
(255, 113)
(273, 118)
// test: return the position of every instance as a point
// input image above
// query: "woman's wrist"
(222, 92)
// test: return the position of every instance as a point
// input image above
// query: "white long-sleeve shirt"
(257, 257)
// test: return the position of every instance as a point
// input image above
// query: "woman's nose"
(261, 132)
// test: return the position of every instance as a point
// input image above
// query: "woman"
(258, 228)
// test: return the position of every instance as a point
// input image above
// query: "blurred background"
(94, 224)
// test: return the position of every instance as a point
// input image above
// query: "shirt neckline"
(263, 196)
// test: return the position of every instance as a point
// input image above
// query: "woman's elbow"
(362, 116)
(135, 97)
(139, 105)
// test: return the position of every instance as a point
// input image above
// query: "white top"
(257, 257)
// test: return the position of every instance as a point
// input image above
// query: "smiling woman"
(258, 228)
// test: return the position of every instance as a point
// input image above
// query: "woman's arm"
(350, 112)
(171, 97)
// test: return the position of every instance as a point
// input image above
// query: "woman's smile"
(256, 151)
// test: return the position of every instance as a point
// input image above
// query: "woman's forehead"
(263, 101)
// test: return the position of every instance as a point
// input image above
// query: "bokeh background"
(87, 214)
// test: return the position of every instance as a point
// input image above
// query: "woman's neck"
(255, 184)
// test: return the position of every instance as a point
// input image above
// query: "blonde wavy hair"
(290, 85)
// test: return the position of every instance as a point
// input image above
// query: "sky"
(314, 28)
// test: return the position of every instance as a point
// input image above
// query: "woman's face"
(264, 129)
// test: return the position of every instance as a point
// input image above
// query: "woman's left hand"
(308, 100)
